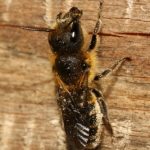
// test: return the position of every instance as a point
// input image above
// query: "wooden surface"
(29, 117)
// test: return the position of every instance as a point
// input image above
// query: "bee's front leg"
(97, 28)
(109, 70)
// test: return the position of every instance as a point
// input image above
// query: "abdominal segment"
(82, 118)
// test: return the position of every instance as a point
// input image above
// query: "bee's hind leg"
(104, 111)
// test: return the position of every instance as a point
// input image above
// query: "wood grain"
(29, 117)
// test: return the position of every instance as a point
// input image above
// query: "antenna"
(30, 28)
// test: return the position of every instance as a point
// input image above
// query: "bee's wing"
(82, 131)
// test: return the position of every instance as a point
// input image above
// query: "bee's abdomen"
(82, 120)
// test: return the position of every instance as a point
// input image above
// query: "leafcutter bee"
(81, 102)
(74, 59)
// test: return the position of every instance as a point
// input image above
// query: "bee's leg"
(109, 70)
(105, 117)
(97, 28)
(104, 111)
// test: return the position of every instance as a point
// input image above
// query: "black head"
(68, 37)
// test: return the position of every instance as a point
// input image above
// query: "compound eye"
(85, 66)
(73, 35)
(75, 31)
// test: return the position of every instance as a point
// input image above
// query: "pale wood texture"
(29, 118)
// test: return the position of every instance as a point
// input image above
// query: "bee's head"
(68, 37)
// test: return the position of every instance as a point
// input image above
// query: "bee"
(74, 58)
(82, 104)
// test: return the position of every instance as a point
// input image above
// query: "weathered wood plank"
(29, 118)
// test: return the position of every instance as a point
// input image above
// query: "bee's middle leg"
(109, 70)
